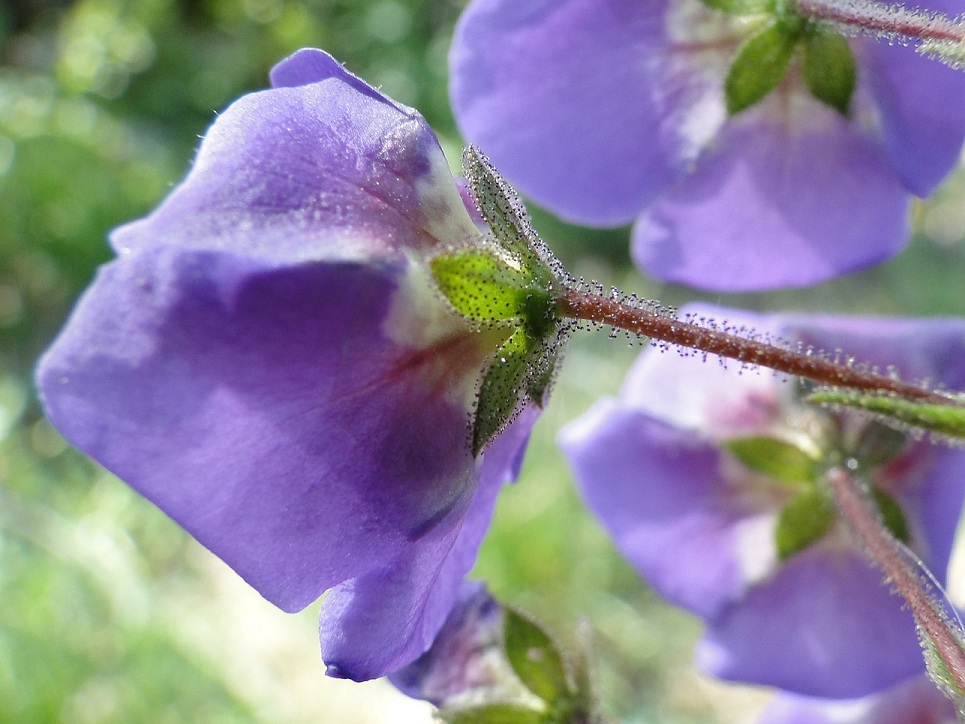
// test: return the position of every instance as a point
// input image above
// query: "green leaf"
(485, 288)
(501, 392)
(741, 7)
(803, 521)
(776, 458)
(535, 658)
(759, 67)
(891, 514)
(493, 714)
(829, 69)
(948, 420)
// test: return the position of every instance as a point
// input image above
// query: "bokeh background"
(108, 612)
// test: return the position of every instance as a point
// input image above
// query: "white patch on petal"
(756, 548)
(420, 319)
(441, 211)
(702, 44)
(453, 223)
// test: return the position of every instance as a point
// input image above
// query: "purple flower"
(609, 111)
(466, 663)
(658, 467)
(915, 701)
(267, 361)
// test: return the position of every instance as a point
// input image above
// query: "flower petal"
(776, 204)
(915, 700)
(714, 401)
(657, 491)
(824, 625)
(328, 169)
(921, 107)
(375, 624)
(578, 102)
(459, 662)
(265, 410)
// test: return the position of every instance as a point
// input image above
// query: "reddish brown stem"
(881, 19)
(605, 310)
(866, 524)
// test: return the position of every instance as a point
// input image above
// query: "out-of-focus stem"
(890, 21)
(864, 521)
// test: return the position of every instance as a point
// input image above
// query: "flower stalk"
(887, 21)
(701, 335)
(931, 33)
(865, 522)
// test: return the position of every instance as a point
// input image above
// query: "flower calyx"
(509, 282)
(762, 62)
(799, 467)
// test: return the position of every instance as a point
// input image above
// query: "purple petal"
(457, 663)
(382, 621)
(578, 102)
(310, 65)
(311, 172)
(776, 204)
(932, 497)
(703, 394)
(824, 625)
(658, 492)
(265, 410)
(915, 701)
(921, 107)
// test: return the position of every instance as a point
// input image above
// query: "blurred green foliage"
(104, 600)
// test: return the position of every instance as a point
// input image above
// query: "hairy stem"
(890, 21)
(865, 523)
(594, 307)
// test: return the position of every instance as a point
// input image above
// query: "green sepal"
(938, 671)
(510, 280)
(541, 378)
(535, 658)
(877, 444)
(759, 67)
(741, 7)
(487, 289)
(803, 521)
(829, 69)
(500, 394)
(506, 217)
(778, 459)
(948, 420)
(891, 514)
(493, 714)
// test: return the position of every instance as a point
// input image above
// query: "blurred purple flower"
(700, 526)
(267, 362)
(467, 662)
(915, 701)
(606, 111)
